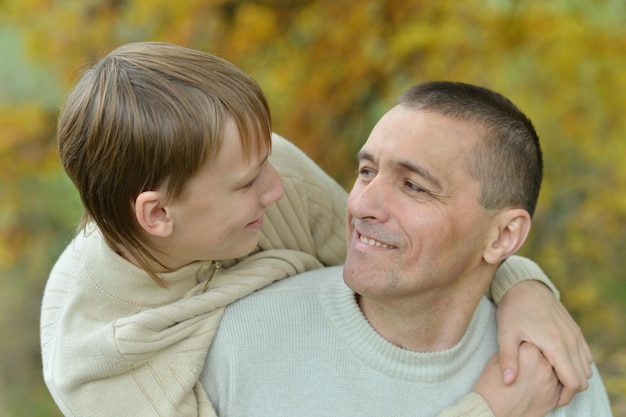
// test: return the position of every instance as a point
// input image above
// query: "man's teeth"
(373, 242)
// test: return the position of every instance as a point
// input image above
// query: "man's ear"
(153, 215)
(509, 234)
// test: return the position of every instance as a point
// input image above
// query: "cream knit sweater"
(116, 344)
(302, 347)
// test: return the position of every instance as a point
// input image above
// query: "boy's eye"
(251, 183)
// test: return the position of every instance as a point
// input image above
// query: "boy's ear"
(153, 215)
(509, 234)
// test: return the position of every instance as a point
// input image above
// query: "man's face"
(414, 222)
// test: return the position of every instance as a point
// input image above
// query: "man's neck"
(431, 324)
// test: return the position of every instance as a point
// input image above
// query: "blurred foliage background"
(330, 70)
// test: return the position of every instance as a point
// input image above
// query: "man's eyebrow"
(364, 155)
(421, 171)
(404, 165)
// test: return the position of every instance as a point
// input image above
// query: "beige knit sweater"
(116, 344)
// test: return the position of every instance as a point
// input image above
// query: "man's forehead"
(405, 129)
(426, 143)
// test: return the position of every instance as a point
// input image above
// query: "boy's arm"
(531, 312)
(514, 270)
(473, 405)
(534, 393)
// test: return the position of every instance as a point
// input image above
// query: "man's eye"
(365, 172)
(414, 187)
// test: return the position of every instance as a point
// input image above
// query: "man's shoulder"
(300, 283)
(275, 312)
(280, 295)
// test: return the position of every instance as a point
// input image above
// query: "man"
(448, 181)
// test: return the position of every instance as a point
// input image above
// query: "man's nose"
(370, 200)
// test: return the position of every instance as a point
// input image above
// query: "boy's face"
(221, 211)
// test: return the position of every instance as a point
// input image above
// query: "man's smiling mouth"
(372, 242)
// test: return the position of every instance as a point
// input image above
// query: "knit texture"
(301, 347)
(517, 269)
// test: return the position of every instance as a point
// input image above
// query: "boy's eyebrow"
(405, 165)
(262, 161)
(259, 162)
(253, 169)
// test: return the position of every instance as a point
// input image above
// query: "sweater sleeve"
(104, 355)
(515, 270)
(594, 401)
(311, 216)
(472, 405)
(176, 337)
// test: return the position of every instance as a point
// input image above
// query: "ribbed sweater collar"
(375, 351)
